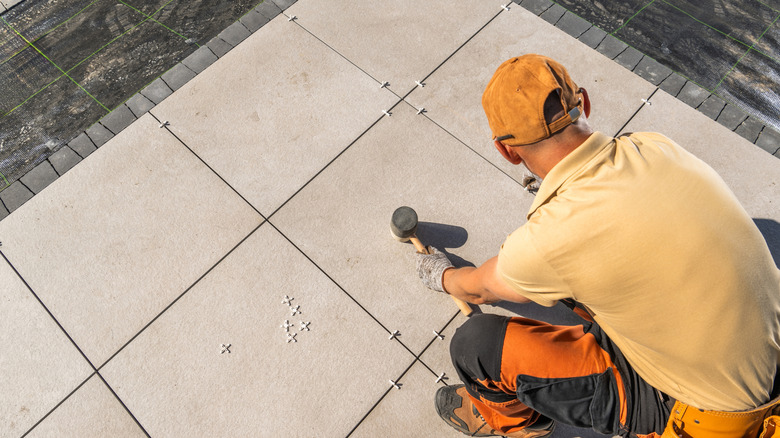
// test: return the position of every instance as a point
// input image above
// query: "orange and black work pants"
(517, 369)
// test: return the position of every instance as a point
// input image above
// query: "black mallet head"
(403, 224)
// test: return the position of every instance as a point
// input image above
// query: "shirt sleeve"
(524, 268)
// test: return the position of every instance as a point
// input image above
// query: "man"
(679, 294)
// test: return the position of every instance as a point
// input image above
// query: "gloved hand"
(430, 268)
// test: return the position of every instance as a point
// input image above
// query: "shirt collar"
(562, 171)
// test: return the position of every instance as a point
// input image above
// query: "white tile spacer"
(305, 326)
(296, 310)
(287, 300)
(441, 377)
(164, 124)
(646, 102)
(505, 7)
(385, 112)
(291, 18)
(225, 348)
(438, 335)
(291, 337)
(286, 326)
(420, 111)
(394, 335)
(395, 384)
(384, 84)
(419, 84)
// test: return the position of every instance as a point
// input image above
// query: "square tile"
(452, 97)
(342, 218)
(682, 43)
(92, 411)
(735, 159)
(290, 106)
(114, 231)
(178, 380)
(43, 124)
(755, 84)
(87, 32)
(125, 65)
(399, 44)
(39, 366)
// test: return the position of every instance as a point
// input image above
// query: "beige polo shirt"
(651, 240)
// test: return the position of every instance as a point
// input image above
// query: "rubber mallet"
(403, 227)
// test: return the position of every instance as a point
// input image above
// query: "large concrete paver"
(177, 381)
(452, 96)
(273, 112)
(112, 242)
(342, 218)
(92, 411)
(39, 366)
(399, 43)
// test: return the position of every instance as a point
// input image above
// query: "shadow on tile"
(771, 231)
(442, 235)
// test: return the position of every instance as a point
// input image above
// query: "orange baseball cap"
(514, 99)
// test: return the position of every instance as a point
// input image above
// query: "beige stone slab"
(751, 173)
(274, 111)
(408, 411)
(112, 242)
(452, 97)
(342, 219)
(39, 366)
(92, 411)
(399, 42)
(176, 380)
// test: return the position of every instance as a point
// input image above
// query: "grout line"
(335, 282)
(123, 404)
(175, 300)
(631, 18)
(459, 47)
(382, 397)
(27, 285)
(467, 146)
(331, 162)
(369, 412)
(58, 404)
(334, 50)
(636, 112)
(167, 128)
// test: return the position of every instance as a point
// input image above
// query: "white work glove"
(431, 267)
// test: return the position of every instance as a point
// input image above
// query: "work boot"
(455, 407)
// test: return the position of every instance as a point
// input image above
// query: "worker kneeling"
(677, 290)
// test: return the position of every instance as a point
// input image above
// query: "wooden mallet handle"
(403, 227)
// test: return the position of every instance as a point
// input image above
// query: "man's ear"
(508, 153)
(586, 102)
